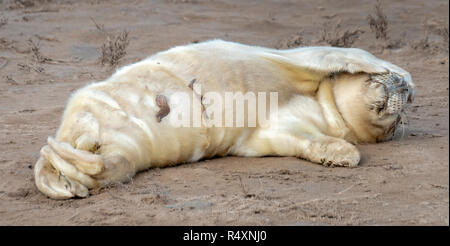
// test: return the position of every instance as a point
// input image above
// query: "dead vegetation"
(37, 55)
(3, 21)
(424, 43)
(6, 43)
(40, 58)
(99, 27)
(334, 36)
(115, 46)
(3, 62)
(45, 38)
(182, 1)
(435, 40)
(22, 4)
(14, 45)
(10, 80)
(30, 67)
(394, 44)
(379, 23)
(443, 32)
(293, 41)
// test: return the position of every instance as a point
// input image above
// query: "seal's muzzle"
(397, 91)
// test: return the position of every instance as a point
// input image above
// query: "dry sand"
(401, 182)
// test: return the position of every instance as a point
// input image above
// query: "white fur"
(119, 114)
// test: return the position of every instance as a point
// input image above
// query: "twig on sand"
(40, 58)
(99, 27)
(3, 62)
(244, 190)
(346, 189)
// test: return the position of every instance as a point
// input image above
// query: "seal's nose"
(398, 91)
(400, 86)
(403, 88)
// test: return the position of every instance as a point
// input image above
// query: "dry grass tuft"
(394, 44)
(333, 36)
(115, 46)
(435, 39)
(293, 41)
(22, 4)
(443, 33)
(379, 23)
(37, 55)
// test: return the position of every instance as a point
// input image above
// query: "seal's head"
(373, 105)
